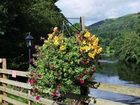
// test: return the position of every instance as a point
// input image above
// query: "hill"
(120, 36)
(110, 28)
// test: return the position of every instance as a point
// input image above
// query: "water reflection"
(118, 73)
(130, 100)
(113, 80)
(129, 72)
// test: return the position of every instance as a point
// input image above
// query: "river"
(116, 72)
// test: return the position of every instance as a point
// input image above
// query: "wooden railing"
(17, 88)
(20, 89)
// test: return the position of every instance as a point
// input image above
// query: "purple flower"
(37, 98)
(82, 81)
(40, 76)
(32, 81)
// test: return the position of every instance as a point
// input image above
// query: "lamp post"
(29, 42)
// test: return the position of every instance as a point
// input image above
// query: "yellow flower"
(95, 43)
(46, 41)
(81, 48)
(91, 55)
(56, 38)
(89, 45)
(62, 47)
(92, 47)
(50, 36)
(56, 43)
(84, 42)
(93, 38)
(87, 34)
(85, 48)
(97, 40)
(99, 50)
(95, 51)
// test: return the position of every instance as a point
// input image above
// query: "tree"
(127, 47)
(19, 17)
(138, 30)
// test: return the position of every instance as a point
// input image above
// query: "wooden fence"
(20, 89)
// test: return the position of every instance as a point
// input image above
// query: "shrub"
(62, 62)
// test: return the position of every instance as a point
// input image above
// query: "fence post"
(0, 83)
(30, 102)
(82, 23)
(0, 60)
(84, 90)
(4, 67)
(29, 93)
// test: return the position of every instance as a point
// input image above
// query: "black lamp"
(29, 41)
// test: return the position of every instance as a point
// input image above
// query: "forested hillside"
(17, 17)
(121, 34)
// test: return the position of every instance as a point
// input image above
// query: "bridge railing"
(23, 90)
(17, 88)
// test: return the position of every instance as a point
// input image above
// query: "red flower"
(35, 90)
(55, 93)
(53, 68)
(82, 81)
(40, 76)
(84, 62)
(37, 98)
(81, 75)
(32, 81)
(86, 72)
(81, 38)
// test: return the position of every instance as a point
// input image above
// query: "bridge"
(21, 89)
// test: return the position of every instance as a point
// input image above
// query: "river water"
(116, 72)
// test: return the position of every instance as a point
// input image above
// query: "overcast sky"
(96, 10)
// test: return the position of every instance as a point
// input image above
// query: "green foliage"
(109, 50)
(19, 17)
(122, 35)
(129, 72)
(75, 27)
(64, 63)
(17, 98)
(111, 28)
(138, 28)
(127, 46)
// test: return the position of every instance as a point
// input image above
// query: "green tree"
(17, 17)
(138, 30)
(127, 47)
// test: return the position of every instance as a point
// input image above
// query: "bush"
(62, 62)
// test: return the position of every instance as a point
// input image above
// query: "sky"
(97, 10)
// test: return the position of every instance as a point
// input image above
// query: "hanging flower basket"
(64, 63)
